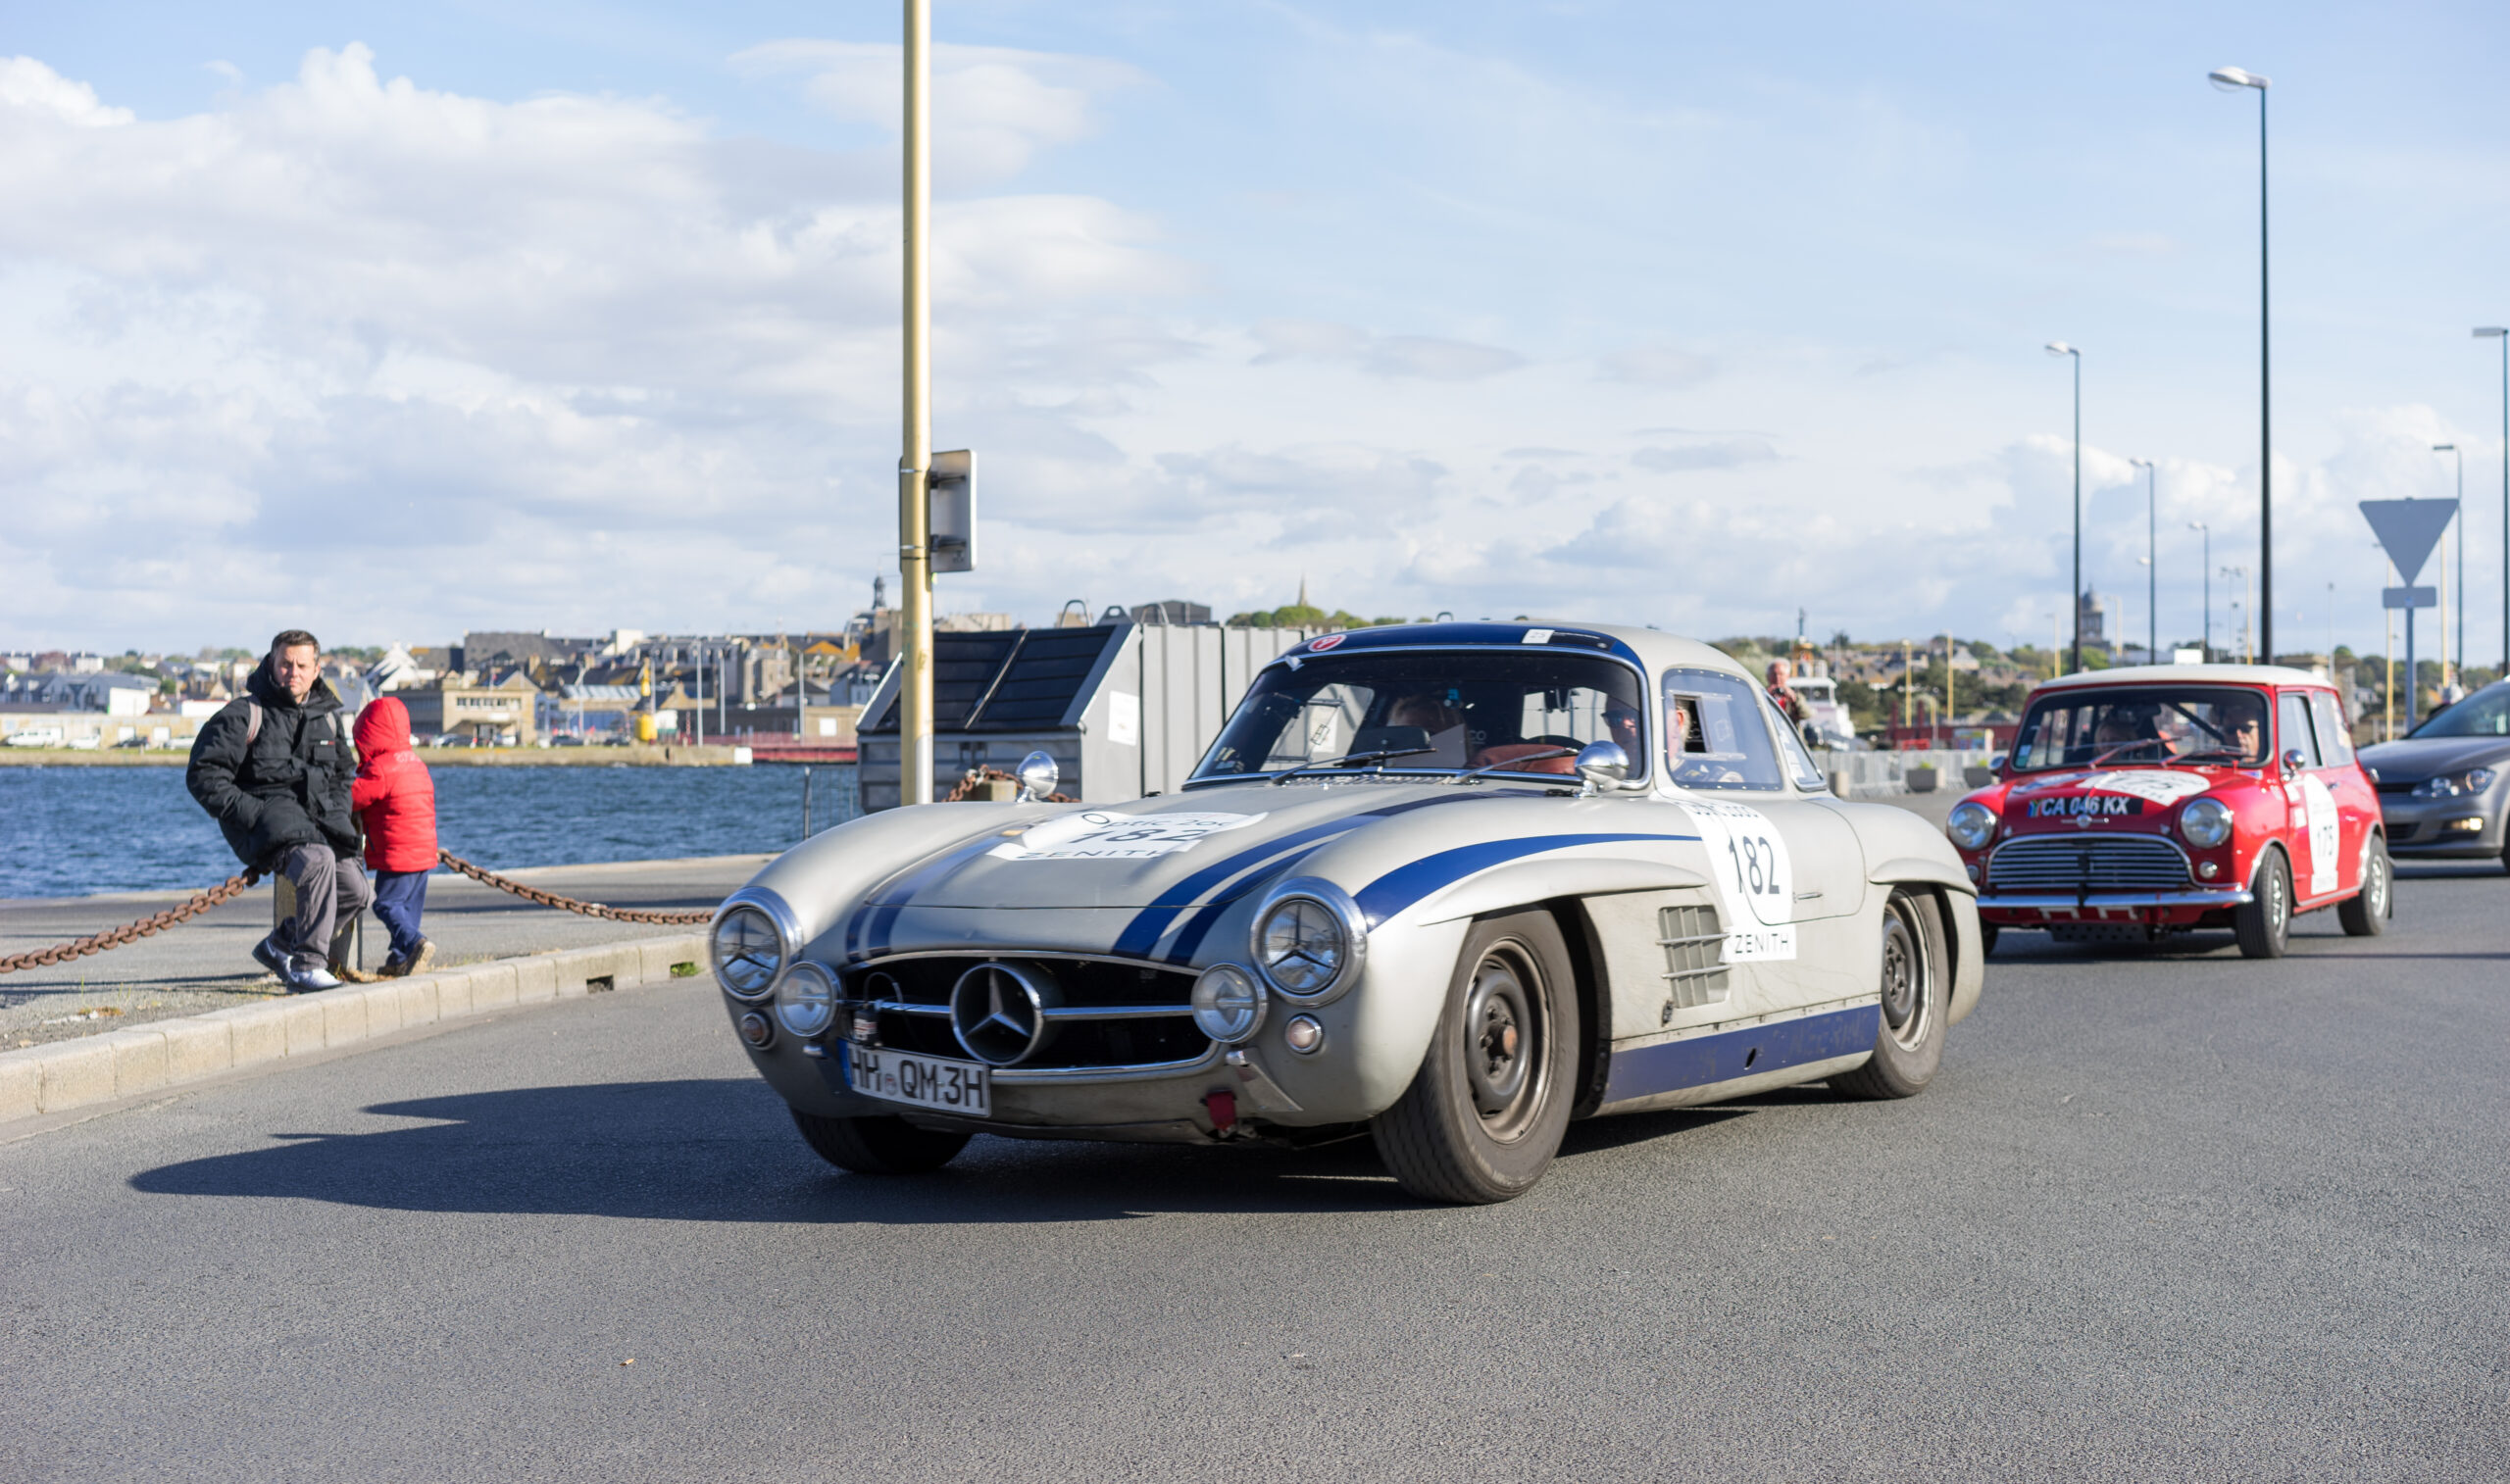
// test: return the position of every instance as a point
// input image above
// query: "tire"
(1987, 940)
(1484, 1113)
(879, 1146)
(2366, 913)
(1908, 1045)
(2264, 924)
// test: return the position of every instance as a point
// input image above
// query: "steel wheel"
(1504, 1060)
(1915, 998)
(2367, 913)
(2264, 925)
(1905, 975)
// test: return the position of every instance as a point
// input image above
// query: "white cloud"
(1657, 365)
(29, 85)
(1424, 357)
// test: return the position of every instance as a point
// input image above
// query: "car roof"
(2216, 674)
(1652, 650)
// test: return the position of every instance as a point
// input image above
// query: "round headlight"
(1971, 825)
(748, 952)
(806, 1002)
(2206, 822)
(1229, 1003)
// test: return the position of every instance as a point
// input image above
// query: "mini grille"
(1694, 958)
(2086, 863)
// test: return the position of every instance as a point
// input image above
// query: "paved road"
(2164, 1216)
(206, 963)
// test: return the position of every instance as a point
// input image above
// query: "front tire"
(1916, 1000)
(879, 1146)
(2264, 925)
(1484, 1115)
(2366, 912)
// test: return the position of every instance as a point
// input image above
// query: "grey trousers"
(330, 890)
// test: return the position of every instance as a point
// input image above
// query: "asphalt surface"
(2164, 1214)
(207, 963)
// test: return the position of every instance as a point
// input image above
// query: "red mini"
(2141, 802)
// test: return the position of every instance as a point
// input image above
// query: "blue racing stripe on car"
(867, 929)
(1199, 927)
(1700, 1060)
(1404, 885)
(1143, 932)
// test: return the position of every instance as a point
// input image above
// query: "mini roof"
(2218, 674)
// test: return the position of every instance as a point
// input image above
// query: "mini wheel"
(1916, 999)
(1986, 939)
(879, 1146)
(1484, 1115)
(2264, 924)
(2366, 915)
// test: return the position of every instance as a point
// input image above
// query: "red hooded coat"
(393, 796)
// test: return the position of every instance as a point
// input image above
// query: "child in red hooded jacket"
(395, 799)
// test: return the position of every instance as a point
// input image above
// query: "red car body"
(2098, 851)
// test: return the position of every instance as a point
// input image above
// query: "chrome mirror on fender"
(1038, 777)
(2294, 760)
(1602, 765)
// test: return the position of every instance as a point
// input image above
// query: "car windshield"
(1511, 711)
(2135, 724)
(2485, 713)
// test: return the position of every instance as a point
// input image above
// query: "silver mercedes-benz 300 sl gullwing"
(1453, 884)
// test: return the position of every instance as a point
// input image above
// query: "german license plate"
(934, 1082)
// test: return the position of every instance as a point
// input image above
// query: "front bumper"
(2020, 909)
(2419, 829)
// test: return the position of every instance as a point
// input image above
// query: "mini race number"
(1754, 874)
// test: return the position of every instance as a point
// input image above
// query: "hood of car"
(2091, 798)
(2411, 759)
(1207, 845)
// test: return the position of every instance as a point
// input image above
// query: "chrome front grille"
(1107, 1014)
(2073, 862)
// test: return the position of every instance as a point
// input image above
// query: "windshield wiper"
(1486, 768)
(1354, 759)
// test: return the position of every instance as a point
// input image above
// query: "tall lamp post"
(2233, 80)
(2152, 568)
(915, 460)
(2074, 594)
(2199, 526)
(2502, 335)
(2451, 448)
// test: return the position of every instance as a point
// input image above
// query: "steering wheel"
(1550, 740)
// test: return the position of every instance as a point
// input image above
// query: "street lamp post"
(915, 460)
(2074, 594)
(2502, 335)
(2232, 79)
(2152, 568)
(2199, 526)
(2451, 448)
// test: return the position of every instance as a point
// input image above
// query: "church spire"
(1302, 589)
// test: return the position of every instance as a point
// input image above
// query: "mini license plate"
(935, 1082)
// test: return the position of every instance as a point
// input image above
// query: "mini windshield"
(1511, 711)
(2117, 725)
(2485, 713)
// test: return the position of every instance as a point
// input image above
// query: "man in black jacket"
(272, 768)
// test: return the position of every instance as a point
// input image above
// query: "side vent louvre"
(1695, 971)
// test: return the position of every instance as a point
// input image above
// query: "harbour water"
(73, 831)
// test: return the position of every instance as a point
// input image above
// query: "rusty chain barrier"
(537, 897)
(977, 778)
(130, 932)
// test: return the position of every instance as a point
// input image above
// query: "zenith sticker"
(1097, 835)
(2150, 784)
(1753, 873)
(2086, 804)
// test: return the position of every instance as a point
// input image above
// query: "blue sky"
(403, 321)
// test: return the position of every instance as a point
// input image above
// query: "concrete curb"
(168, 1054)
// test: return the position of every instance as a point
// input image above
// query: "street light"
(2451, 448)
(2497, 333)
(2232, 79)
(2152, 568)
(2075, 593)
(2199, 526)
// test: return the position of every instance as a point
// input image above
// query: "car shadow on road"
(723, 1150)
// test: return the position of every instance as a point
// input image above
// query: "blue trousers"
(400, 896)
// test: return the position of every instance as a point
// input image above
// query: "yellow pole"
(1908, 687)
(2388, 701)
(915, 565)
(1947, 679)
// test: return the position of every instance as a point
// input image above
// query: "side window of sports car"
(1713, 735)
(2292, 733)
(2333, 737)
(1791, 747)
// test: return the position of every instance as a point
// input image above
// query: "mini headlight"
(748, 952)
(806, 1002)
(2454, 785)
(2206, 822)
(1971, 824)
(1229, 1003)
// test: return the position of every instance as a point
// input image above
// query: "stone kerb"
(167, 1054)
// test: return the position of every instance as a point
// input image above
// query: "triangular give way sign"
(2408, 530)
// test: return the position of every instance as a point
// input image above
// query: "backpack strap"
(253, 723)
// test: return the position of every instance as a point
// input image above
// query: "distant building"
(1172, 610)
(503, 712)
(113, 693)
